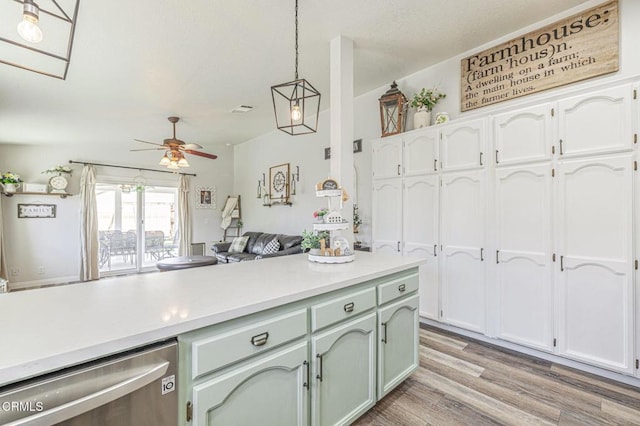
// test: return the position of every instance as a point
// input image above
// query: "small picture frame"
(205, 197)
(279, 179)
(36, 211)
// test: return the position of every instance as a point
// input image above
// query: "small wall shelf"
(330, 226)
(59, 194)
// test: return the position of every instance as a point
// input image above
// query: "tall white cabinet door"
(420, 236)
(462, 145)
(596, 122)
(421, 152)
(344, 384)
(523, 256)
(595, 266)
(387, 216)
(524, 135)
(463, 281)
(387, 157)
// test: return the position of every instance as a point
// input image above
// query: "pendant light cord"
(296, 39)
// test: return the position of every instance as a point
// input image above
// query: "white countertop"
(47, 329)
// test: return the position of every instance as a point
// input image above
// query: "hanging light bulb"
(165, 160)
(296, 114)
(28, 27)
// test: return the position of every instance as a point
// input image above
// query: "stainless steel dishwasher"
(135, 388)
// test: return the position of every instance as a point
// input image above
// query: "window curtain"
(184, 217)
(89, 242)
(4, 272)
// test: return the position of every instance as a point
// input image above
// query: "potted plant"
(10, 181)
(319, 214)
(311, 241)
(424, 101)
(356, 219)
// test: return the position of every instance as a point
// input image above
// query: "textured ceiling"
(135, 63)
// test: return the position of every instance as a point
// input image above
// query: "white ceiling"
(135, 63)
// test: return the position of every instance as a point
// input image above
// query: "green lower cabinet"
(344, 372)
(272, 390)
(397, 343)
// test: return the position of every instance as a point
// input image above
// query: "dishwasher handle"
(87, 403)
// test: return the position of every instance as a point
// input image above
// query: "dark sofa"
(289, 244)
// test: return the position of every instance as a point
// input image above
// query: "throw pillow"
(238, 244)
(272, 247)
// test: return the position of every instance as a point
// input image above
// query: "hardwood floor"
(462, 381)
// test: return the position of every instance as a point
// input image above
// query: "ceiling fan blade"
(149, 149)
(191, 146)
(152, 143)
(201, 154)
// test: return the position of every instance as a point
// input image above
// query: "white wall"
(54, 243)
(259, 154)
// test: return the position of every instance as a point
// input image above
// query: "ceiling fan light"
(183, 162)
(165, 160)
(28, 27)
(173, 165)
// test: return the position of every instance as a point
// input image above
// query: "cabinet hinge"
(189, 411)
(553, 172)
(553, 257)
(553, 112)
(554, 342)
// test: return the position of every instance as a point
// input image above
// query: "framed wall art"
(205, 197)
(279, 183)
(39, 211)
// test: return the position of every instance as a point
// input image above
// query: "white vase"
(10, 187)
(421, 118)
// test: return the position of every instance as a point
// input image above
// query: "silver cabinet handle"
(435, 165)
(481, 159)
(398, 245)
(306, 384)
(497, 157)
(561, 147)
(562, 263)
(497, 256)
(435, 250)
(402, 288)
(384, 336)
(349, 307)
(481, 255)
(319, 358)
(260, 339)
(104, 396)
(398, 169)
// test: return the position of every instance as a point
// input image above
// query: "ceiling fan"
(175, 149)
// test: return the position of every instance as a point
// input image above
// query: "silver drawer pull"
(402, 288)
(260, 339)
(349, 307)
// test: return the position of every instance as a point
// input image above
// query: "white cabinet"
(523, 136)
(597, 122)
(421, 152)
(523, 256)
(387, 157)
(387, 216)
(397, 343)
(344, 384)
(594, 273)
(462, 272)
(270, 391)
(462, 145)
(420, 236)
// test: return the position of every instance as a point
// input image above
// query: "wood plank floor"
(462, 381)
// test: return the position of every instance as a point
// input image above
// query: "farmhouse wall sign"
(36, 211)
(582, 46)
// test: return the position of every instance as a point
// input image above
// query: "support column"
(341, 163)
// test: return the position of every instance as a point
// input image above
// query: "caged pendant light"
(296, 103)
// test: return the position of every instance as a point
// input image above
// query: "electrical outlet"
(41, 270)
(15, 272)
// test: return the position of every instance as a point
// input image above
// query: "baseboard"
(619, 377)
(24, 285)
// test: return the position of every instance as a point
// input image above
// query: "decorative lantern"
(393, 109)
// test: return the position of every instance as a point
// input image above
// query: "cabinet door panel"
(594, 275)
(524, 273)
(387, 215)
(463, 288)
(344, 371)
(523, 135)
(387, 157)
(398, 343)
(420, 229)
(268, 391)
(462, 209)
(421, 152)
(463, 145)
(596, 122)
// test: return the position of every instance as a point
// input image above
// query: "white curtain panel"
(184, 216)
(4, 272)
(89, 240)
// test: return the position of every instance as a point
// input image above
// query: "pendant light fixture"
(28, 27)
(296, 103)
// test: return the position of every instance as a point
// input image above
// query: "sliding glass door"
(137, 227)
